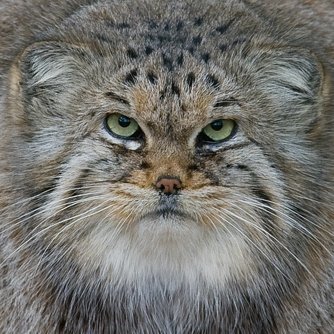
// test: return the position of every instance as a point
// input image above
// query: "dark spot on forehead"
(180, 59)
(181, 39)
(175, 89)
(163, 93)
(212, 80)
(150, 37)
(109, 23)
(167, 27)
(131, 77)
(191, 50)
(224, 27)
(167, 62)
(131, 52)
(197, 40)
(164, 38)
(190, 79)
(152, 24)
(152, 77)
(179, 26)
(223, 47)
(123, 25)
(102, 38)
(238, 41)
(198, 21)
(205, 57)
(148, 50)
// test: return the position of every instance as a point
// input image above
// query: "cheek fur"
(94, 235)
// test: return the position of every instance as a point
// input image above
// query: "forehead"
(186, 96)
(169, 61)
(153, 25)
(166, 29)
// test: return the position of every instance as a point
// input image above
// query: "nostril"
(168, 184)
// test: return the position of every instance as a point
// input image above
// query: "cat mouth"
(168, 207)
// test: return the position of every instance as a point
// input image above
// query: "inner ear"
(297, 73)
(44, 75)
(48, 65)
(293, 79)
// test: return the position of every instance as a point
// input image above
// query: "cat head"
(169, 161)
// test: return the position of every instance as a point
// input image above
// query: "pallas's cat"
(166, 166)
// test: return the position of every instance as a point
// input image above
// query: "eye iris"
(217, 125)
(218, 130)
(124, 121)
(122, 126)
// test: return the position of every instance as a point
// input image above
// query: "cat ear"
(48, 73)
(294, 82)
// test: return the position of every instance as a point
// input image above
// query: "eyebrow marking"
(213, 81)
(116, 97)
(131, 76)
(190, 79)
(152, 77)
(226, 103)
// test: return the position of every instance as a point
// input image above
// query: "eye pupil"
(124, 121)
(217, 125)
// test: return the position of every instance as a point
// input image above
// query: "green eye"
(218, 130)
(122, 126)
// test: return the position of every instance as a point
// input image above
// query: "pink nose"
(168, 184)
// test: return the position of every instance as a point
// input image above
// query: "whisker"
(269, 236)
(225, 220)
(41, 232)
(78, 219)
(43, 209)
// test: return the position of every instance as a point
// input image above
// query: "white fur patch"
(173, 250)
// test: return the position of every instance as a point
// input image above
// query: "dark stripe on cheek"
(78, 185)
(302, 217)
(239, 166)
(48, 188)
(38, 202)
(265, 210)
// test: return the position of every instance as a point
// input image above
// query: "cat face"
(101, 124)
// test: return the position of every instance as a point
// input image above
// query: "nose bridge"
(170, 157)
(169, 161)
